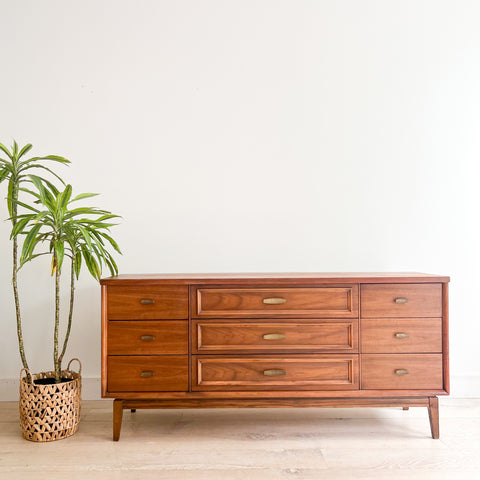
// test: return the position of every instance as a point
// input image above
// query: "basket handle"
(29, 374)
(79, 366)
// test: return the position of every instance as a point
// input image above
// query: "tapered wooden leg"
(406, 408)
(133, 410)
(117, 419)
(434, 417)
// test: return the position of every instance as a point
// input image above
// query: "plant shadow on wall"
(48, 221)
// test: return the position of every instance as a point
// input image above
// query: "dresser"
(275, 340)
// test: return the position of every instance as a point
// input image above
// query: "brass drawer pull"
(147, 338)
(401, 335)
(401, 300)
(274, 301)
(402, 371)
(274, 336)
(147, 301)
(274, 373)
(146, 373)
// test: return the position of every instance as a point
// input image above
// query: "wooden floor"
(252, 444)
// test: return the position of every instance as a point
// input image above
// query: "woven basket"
(50, 412)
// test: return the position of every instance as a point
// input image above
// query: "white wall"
(252, 135)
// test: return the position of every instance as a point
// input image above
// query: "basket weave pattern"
(50, 412)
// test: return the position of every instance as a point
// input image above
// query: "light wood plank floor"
(252, 444)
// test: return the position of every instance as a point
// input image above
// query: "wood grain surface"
(170, 373)
(147, 337)
(306, 372)
(424, 300)
(385, 335)
(335, 301)
(253, 336)
(135, 302)
(424, 371)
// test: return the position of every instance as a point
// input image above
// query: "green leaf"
(78, 264)
(19, 226)
(91, 263)
(3, 174)
(31, 192)
(113, 243)
(24, 205)
(82, 211)
(10, 200)
(54, 158)
(86, 236)
(6, 151)
(28, 167)
(29, 244)
(60, 253)
(49, 185)
(65, 197)
(15, 149)
(24, 150)
(46, 197)
(83, 195)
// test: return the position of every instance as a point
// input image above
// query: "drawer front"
(338, 302)
(149, 337)
(168, 373)
(402, 300)
(242, 337)
(402, 371)
(320, 372)
(401, 335)
(147, 302)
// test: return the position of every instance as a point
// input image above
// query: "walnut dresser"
(275, 340)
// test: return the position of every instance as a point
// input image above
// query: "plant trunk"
(70, 313)
(15, 287)
(57, 321)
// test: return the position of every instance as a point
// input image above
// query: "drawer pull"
(274, 373)
(401, 300)
(147, 338)
(274, 336)
(146, 373)
(402, 371)
(147, 301)
(401, 335)
(274, 301)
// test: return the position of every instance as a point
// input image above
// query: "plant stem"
(15, 287)
(57, 320)
(70, 313)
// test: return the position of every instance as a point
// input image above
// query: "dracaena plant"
(81, 234)
(15, 167)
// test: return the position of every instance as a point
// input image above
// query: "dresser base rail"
(405, 402)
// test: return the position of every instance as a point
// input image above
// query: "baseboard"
(462, 386)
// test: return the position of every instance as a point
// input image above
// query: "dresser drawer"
(402, 371)
(320, 372)
(402, 300)
(401, 335)
(150, 337)
(164, 373)
(338, 302)
(134, 302)
(209, 336)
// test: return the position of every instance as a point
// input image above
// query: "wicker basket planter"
(50, 412)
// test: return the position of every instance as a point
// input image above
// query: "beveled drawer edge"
(197, 347)
(354, 301)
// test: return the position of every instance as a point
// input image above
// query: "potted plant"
(50, 401)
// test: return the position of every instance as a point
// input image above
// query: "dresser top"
(277, 278)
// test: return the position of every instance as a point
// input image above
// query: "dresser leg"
(117, 418)
(434, 417)
(406, 408)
